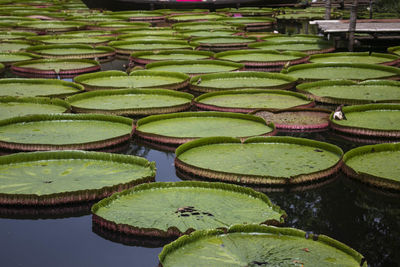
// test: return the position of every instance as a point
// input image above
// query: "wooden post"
(328, 6)
(352, 24)
(370, 8)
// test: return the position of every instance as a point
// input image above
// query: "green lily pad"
(195, 67)
(64, 131)
(394, 50)
(259, 160)
(133, 212)
(350, 92)
(377, 165)
(379, 120)
(359, 57)
(249, 11)
(55, 67)
(73, 51)
(309, 47)
(245, 101)
(178, 128)
(125, 48)
(14, 45)
(59, 177)
(137, 79)
(139, 15)
(115, 25)
(66, 39)
(224, 40)
(269, 246)
(241, 80)
(51, 26)
(9, 58)
(279, 38)
(146, 57)
(251, 23)
(204, 25)
(210, 33)
(131, 102)
(349, 71)
(8, 35)
(19, 106)
(38, 87)
(296, 119)
(88, 33)
(144, 37)
(194, 17)
(147, 31)
(263, 58)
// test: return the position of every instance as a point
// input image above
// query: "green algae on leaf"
(178, 128)
(377, 165)
(215, 205)
(379, 120)
(131, 102)
(64, 131)
(256, 245)
(59, 177)
(259, 160)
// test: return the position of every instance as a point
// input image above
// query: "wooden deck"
(374, 26)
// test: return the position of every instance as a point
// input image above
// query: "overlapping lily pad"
(246, 101)
(59, 177)
(9, 35)
(296, 119)
(241, 80)
(131, 102)
(18, 106)
(147, 31)
(358, 57)
(279, 38)
(349, 71)
(137, 79)
(259, 160)
(51, 26)
(195, 67)
(14, 45)
(394, 50)
(215, 205)
(309, 47)
(101, 53)
(251, 23)
(249, 11)
(350, 92)
(377, 165)
(8, 58)
(38, 87)
(64, 131)
(378, 120)
(275, 60)
(111, 26)
(210, 33)
(55, 67)
(194, 17)
(145, 57)
(179, 128)
(223, 43)
(253, 245)
(146, 37)
(204, 25)
(125, 48)
(66, 39)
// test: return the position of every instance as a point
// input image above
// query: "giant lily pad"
(223, 43)
(375, 164)
(194, 17)
(18, 106)
(249, 11)
(125, 48)
(210, 33)
(58, 177)
(296, 119)
(178, 128)
(245, 101)
(279, 38)
(394, 50)
(13, 45)
(111, 26)
(51, 26)
(64, 131)
(147, 31)
(379, 120)
(140, 15)
(136, 79)
(8, 35)
(309, 47)
(251, 23)
(146, 57)
(102, 53)
(195, 67)
(9, 58)
(264, 58)
(131, 102)
(259, 160)
(252, 245)
(204, 25)
(38, 87)
(241, 80)
(55, 67)
(66, 39)
(349, 71)
(359, 57)
(350, 92)
(144, 37)
(133, 211)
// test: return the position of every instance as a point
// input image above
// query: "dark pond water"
(364, 218)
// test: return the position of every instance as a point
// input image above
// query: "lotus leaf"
(251, 245)
(48, 178)
(133, 211)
